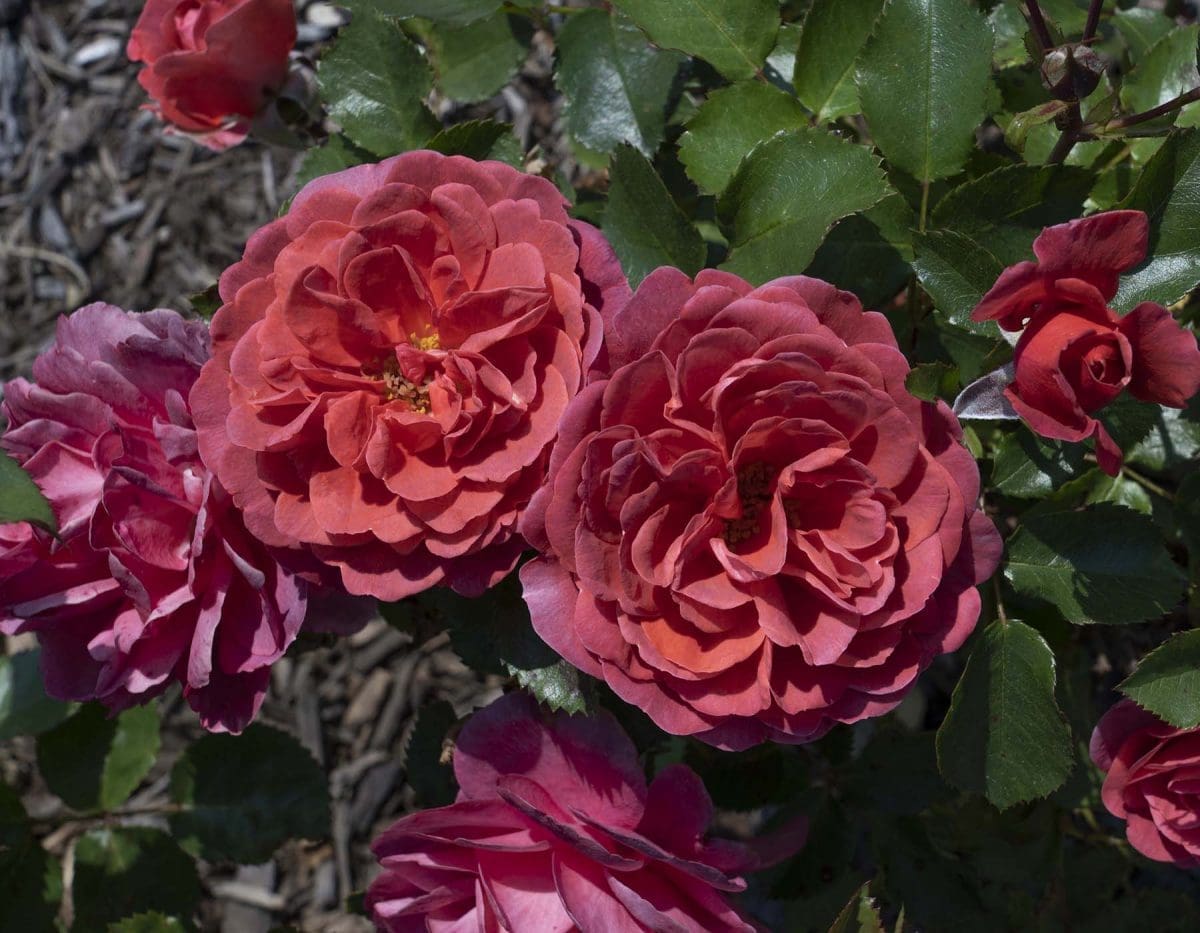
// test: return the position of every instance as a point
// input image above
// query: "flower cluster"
(743, 521)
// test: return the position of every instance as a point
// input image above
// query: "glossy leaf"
(454, 12)
(1141, 28)
(1106, 565)
(616, 85)
(1167, 681)
(25, 709)
(858, 916)
(869, 253)
(1169, 191)
(558, 686)
(787, 194)
(473, 62)
(129, 870)
(374, 81)
(729, 125)
(734, 36)
(922, 79)
(957, 272)
(337, 154)
(1004, 736)
(20, 498)
(1167, 69)
(479, 139)
(242, 796)
(644, 224)
(94, 761)
(832, 35)
(1030, 467)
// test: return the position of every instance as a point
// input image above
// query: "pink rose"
(154, 577)
(751, 529)
(1152, 781)
(212, 65)
(392, 362)
(554, 830)
(1075, 354)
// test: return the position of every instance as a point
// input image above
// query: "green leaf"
(558, 686)
(734, 36)
(787, 194)
(922, 79)
(479, 139)
(25, 709)
(896, 773)
(1141, 29)
(1187, 516)
(833, 34)
(375, 81)
(130, 870)
(1172, 442)
(20, 498)
(27, 887)
(1004, 210)
(1167, 681)
(1022, 124)
(243, 796)
(869, 253)
(731, 123)
(929, 381)
(1028, 467)
(1169, 191)
(858, 916)
(1166, 71)
(1004, 736)
(473, 62)
(644, 224)
(1106, 565)
(151, 922)
(956, 272)
(206, 303)
(94, 762)
(453, 12)
(617, 87)
(431, 777)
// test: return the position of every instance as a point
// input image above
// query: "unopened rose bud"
(1071, 72)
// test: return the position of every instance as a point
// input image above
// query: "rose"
(555, 829)
(1076, 355)
(153, 577)
(1152, 781)
(212, 65)
(391, 364)
(751, 529)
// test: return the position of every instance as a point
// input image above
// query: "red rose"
(211, 65)
(1076, 355)
(153, 577)
(555, 830)
(391, 364)
(1152, 781)
(751, 529)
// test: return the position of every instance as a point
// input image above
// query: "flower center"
(430, 341)
(398, 388)
(754, 490)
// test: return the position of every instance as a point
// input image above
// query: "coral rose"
(392, 361)
(1075, 354)
(212, 65)
(153, 577)
(554, 830)
(1152, 781)
(752, 530)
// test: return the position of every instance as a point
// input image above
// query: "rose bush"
(152, 578)
(392, 361)
(1075, 354)
(1152, 781)
(752, 530)
(212, 65)
(555, 829)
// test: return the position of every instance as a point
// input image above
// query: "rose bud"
(1071, 72)
(1076, 355)
(153, 577)
(392, 362)
(213, 65)
(554, 829)
(1152, 781)
(751, 529)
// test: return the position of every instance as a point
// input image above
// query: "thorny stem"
(1070, 136)
(1000, 613)
(106, 815)
(1146, 483)
(1093, 20)
(1041, 32)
